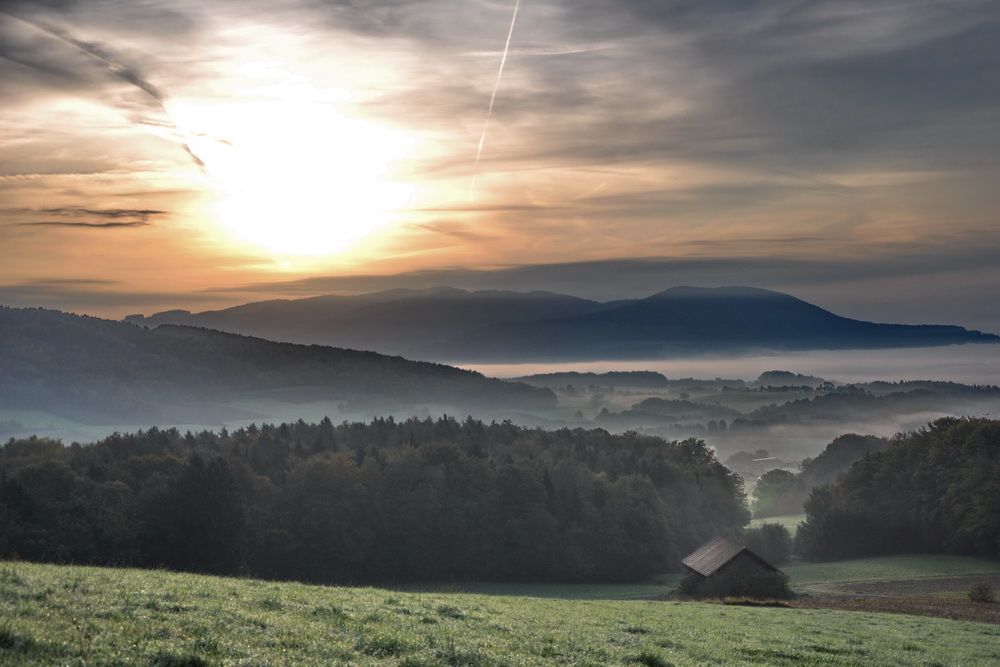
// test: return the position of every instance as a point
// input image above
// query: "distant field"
(75, 615)
(789, 521)
(890, 568)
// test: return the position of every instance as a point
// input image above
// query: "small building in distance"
(720, 568)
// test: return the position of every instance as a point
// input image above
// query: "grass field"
(890, 568)
(89, 616)
(663, 585)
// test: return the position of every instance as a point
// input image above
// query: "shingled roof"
(709, 557)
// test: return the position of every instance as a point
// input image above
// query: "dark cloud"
(776, 85)
(780, 109)
(171, 19)
(951, 284)
(106, 212)
(631, 278)
(92, 225)
(386, 17)
(38, 65)
(110, 218)
(87, 295)
(465, 232)
(472, 206)
(112, 63)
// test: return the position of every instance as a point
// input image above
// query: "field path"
(943, 597)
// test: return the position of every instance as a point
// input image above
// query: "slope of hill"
(64, 615)
(458, 326)
(92, 370)
(399, 321)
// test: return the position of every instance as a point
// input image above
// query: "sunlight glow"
(293, 174)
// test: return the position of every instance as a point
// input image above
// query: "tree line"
(935, 490)
(384, 501)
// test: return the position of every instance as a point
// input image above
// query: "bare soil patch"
(940, 598)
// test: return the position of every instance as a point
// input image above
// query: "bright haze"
(191, 154)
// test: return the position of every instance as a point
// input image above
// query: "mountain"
(401, 321)
(453, 325)
(98, 371)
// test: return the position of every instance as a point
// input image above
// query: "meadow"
(103, 616)
(789, 521)
(805, 578)
(891, 568)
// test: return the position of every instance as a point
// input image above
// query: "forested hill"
(934, 490)
(421, 499)
(454, 325)
(92, 370)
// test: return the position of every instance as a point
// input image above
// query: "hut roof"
(709, 557)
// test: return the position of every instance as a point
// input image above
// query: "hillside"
(77, 615)
(458, 326)
(99, 371)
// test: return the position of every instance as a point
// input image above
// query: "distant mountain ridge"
(99, 371)
(456, 326)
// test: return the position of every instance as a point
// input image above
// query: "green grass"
(890, 568)
(89, 616)
(663, 585)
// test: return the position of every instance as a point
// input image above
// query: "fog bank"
(967, 364)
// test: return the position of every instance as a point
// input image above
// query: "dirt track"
(940, 598)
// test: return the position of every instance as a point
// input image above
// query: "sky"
(190, 154)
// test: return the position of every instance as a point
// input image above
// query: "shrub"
(166, 659)
(982, 592)
(382, 645)
(771, 541)
(651, 659)
(450, 611)
(690, 585)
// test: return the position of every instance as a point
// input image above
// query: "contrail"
(117, 68)
(493, 97)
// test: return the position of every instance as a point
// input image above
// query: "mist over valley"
(424, 333)
(82, 378)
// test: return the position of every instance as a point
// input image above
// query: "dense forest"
(385, 501)
(937, 489)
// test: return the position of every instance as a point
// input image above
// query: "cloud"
(92, 225)
(452, 230)
(112, 63)
(106, 212)
(111, 218)
(953, 284)
(803, 145)
(766, 83)
(90, 295)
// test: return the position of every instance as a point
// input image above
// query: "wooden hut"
(723, 567)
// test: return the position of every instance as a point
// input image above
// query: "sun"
(294, 175)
